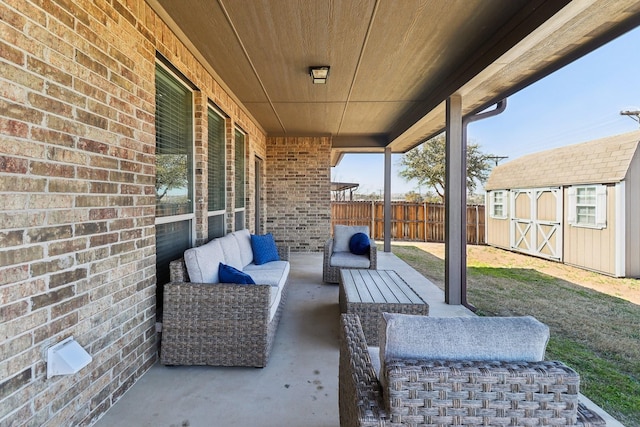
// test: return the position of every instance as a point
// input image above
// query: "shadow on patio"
(298, 387)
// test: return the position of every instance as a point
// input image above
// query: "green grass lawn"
(596, 334)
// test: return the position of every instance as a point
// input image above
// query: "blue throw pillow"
(359, 244)
(264, 248)
(230, 274)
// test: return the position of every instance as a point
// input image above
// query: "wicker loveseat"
(423, 392)
(223, 324)
(338, 256)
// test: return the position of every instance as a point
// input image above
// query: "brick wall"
(77, 211)
(299, 191)
(77, 238)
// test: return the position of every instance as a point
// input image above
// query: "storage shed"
(578, 204)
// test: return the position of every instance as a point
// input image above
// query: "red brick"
(11, 385)
(92, 119)
(68, 186)
(106, 213)
(103, 162)
(45, 234)
(52, 137)
(43, 69)
(90, 91)
(13, 128)
(125, 13)
(11, 54)
(104, 188)
(51, 266)
(10, 17)
(103, 239)
(67, 277)
(56, 326)
(93, 146)
(92, 174)
(67, 246)
(121, 224)
(65, 95)
(52, 169)
(68, 306)
(14, 311)
(12, 275)
(20, 255)
(13, 165)
(53, 297)
(62, 15)
(92, 64)
(89, 228)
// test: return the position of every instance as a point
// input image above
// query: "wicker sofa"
(222, 324)
(337, 255)
(428, 392)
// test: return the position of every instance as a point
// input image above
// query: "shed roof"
(600, 161)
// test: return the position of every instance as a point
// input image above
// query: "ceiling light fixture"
(319, 75)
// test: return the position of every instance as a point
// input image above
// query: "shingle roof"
(601, 161)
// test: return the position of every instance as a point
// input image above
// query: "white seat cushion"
(271, 265)
(349, 260)
(269, 277)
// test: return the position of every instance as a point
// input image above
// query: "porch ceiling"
(393, 63)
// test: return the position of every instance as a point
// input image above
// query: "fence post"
(373, 219)
(424, 214)
(477, 226)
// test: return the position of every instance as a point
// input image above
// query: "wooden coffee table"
(368, 293)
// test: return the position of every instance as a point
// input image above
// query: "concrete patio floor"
(299, 386)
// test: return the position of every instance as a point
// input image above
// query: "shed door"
(536, 222)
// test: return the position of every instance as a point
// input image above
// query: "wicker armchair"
(444, 393)
(331, 267)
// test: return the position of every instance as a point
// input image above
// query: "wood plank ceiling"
(393, 62)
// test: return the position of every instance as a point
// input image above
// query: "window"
(216, 174)
(174, 172)
(498, 204)
(239, 179)
(588, 206)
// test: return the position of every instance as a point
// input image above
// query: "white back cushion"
(202, 262)
(343, 233)
(243, 237)
(231, 251)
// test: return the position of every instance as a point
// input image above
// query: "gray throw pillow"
(507, 339)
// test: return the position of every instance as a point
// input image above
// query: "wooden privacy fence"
(422, 222)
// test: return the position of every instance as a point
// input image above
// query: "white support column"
(387, 199)
(455, 204)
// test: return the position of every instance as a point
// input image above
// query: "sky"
(578, 103)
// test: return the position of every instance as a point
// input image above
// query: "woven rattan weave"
(331, 274)
(219, 325)
(446, 393)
